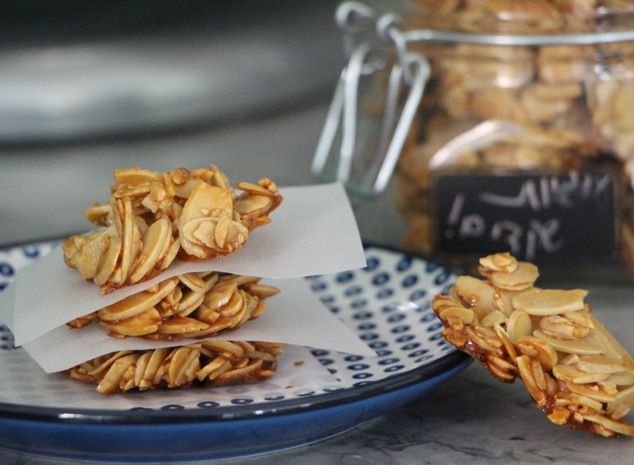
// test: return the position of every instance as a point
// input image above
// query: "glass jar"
(527, 148)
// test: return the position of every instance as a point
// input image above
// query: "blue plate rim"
(452, 359)
(447, 362)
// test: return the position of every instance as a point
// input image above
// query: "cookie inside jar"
(534, 139)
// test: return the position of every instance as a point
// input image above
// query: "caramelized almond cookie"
(151, 218)
(573, 368)
(204, 364)
(192, 305)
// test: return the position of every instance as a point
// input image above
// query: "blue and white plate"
(388, 304)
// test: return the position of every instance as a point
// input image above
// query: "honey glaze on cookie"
(151, 218)
(573, 368)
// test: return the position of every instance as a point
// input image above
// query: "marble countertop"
(470, 419)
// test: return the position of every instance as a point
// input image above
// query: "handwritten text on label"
(527, 215)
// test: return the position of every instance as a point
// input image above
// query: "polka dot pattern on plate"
(387, 304)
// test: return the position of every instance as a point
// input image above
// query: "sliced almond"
(519, 325)
(464, 315)
(600, 365)
(142, 324)
(156, 242)
(504, 262)
(562, 327)
(549, 301)
(474, 292)
(571, 374)
(137, 303)
(521, 278)
(495, 317)
(572, 346)
(538, 349)
(181, 326)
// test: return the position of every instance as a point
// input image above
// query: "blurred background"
(89, 87)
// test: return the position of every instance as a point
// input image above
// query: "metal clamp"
(373, 44)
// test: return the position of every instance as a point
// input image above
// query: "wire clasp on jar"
(367, 157)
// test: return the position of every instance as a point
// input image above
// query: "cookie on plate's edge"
(573, 368)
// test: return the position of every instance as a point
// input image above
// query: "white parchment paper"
(294, 316)
(313, 232)
(24, 383)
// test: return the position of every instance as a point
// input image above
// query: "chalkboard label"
(531, 216)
